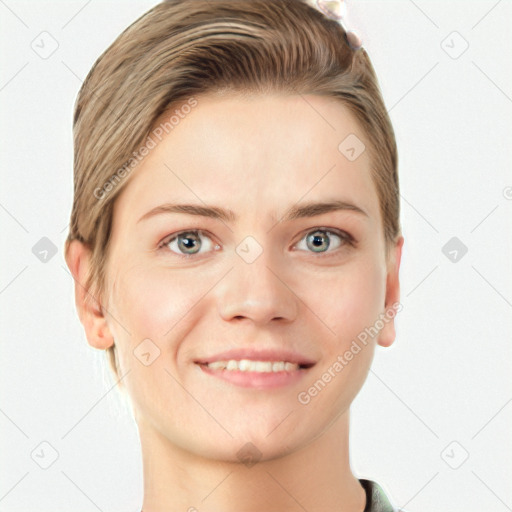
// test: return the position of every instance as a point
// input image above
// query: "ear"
(387, 334)
(90, 312)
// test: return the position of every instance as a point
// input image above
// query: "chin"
(250, 451)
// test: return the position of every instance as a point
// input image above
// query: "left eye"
(319, 241)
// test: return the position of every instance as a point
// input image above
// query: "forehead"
(257, 151)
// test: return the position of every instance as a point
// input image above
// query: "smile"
(247, 373)
(246, 365)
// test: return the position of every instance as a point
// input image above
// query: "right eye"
(187, 243)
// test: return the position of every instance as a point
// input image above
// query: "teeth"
(217, 365)
(231, 365)
(245, 365)
(278, 367)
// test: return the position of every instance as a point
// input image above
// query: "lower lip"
(258, 380)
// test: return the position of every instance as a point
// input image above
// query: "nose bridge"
(256, 289)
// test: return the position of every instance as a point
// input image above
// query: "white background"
(440, 393)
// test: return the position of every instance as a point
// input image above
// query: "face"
(249, 270)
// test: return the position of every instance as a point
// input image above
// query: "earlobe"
(387, 334)
(90, 312)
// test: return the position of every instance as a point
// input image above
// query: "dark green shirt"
(376, 499)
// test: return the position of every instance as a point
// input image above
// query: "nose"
(258, 292)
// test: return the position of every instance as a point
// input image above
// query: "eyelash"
(343, 235)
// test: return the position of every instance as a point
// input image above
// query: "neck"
(315, 477)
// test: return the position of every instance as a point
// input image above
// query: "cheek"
(152, 304)
(142, 303)
(154, 301)
(350, 300)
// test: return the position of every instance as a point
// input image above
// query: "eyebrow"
(310, 209)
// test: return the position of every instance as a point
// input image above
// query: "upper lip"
(259, 355)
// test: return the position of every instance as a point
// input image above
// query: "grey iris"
(318, 241)
(184, 242)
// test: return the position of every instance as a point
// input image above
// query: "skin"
(257, 155)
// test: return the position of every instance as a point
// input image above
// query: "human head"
(181, 50)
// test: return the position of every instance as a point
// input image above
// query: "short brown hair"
(185, 48)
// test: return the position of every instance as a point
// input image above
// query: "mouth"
(260, 370)
(248, 365)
